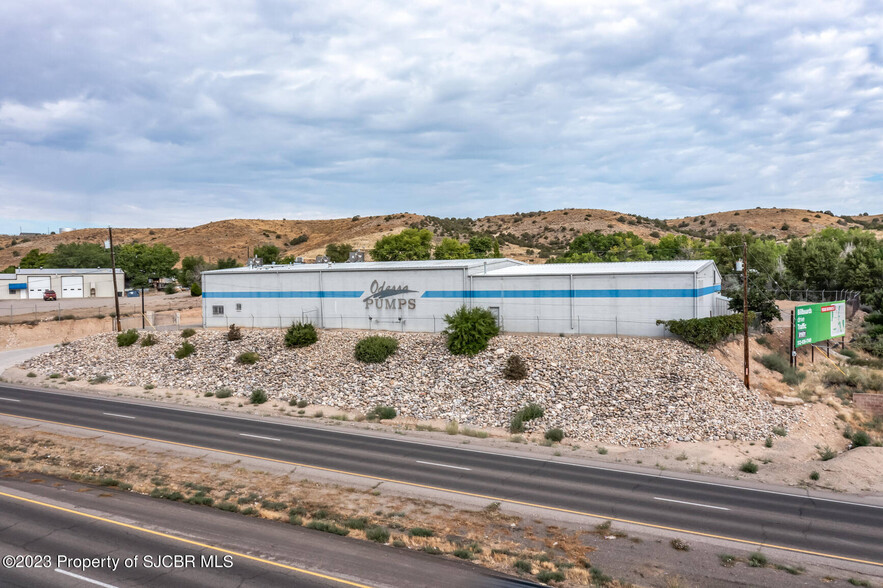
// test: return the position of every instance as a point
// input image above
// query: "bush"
(223, 393)
(516, 425)
(234, 333)
(860, 439)
(780, 431)
(749, 467)
(779, 363)
(187, 333)
(377, 534)
(184, 350)
(170, 289)
(469, 330)
(516, 368)
(257, 397)
(300, 335)
(248, 358)
(149, 340)
(375, 349)
(530, 412)
(128, 338)
(705, 332)
(826, 453)
(195, 289)
(814, 476)
(547, 576)
(757, 560)
(381, 412)
(680, 545)
(555, 435)
(421, 532)
(523, 566)
(327, 527)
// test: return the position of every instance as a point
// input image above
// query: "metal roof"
(56, 271)
(603, 268)
(370, 266)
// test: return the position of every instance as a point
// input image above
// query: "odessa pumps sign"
(819, 322)
(390, 297)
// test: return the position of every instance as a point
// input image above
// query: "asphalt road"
(61, 534)
(827, 527)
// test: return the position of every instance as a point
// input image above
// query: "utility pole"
(745, 309)
(113, 271)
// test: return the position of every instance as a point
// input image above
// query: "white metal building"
(67, 283)
(583, 298)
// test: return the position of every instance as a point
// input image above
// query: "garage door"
(71, 287)
(37, 285)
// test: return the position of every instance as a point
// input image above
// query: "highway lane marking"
(84, 578)
(657, 475)
(122, 416)
(182, 540)
(10, 399)
(690, 503)
(460, 492)
(260, 437)
(442, 465)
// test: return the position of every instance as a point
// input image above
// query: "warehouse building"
(583, 298)
(67, 283)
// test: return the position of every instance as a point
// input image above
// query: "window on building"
(217, 310)
(238, 307)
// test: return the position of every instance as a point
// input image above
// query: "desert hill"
(522, 235)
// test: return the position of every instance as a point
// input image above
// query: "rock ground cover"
(629, 392)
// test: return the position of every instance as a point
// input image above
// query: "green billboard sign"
(819, 322)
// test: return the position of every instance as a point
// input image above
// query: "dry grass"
(494, 539)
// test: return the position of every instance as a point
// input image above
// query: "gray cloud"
(138, 114)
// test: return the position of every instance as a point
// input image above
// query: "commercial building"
(67, 283)
(583, 298)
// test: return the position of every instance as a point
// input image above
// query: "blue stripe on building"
(615, 293)
(287, 294)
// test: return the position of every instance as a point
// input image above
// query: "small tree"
(338, 252)
(469, 330)
(128, 338)
(410, 244)
(195, 289)
(300, 335)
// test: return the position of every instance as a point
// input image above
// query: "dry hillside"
(524, 233)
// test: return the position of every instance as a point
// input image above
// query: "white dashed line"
(259, 437)
(442, 465)
(690, 503)
(122, 416)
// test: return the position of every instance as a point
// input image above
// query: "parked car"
(49, 295)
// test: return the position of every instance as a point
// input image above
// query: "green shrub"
(421, 532)
(257, 397)
(185, 350)
(227, 506)
(32, 375)
(680, 545)
(547, 576)
(768, 442)
(381, 412)
(54, 376)
(826, 453)
(375, 349)
(223, 393)
(704, 332)
(462, 553)
(748, 466)
(516, 368)
(356, 523)
(248, 358)
(195, 289)
(149, 340)
(187, 333)
(773, 361)
(273, 505)
(727, 560)
(554, 435)
(757, 560)
(469, 330)
(516, 424)
(327, 527)
(300, 335)
(780, 431)
(377, 534)
(234, 333)
(170, 289)
(128, 338)
(814, 476)
(100, 379)
(523, 566)
(860, 439)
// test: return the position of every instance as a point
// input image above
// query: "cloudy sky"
(174, 114)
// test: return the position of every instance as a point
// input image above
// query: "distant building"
(67, 283)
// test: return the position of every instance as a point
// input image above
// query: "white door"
(71, 287)
(37, 285)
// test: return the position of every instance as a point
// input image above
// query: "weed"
(431, 550)
(554, 435)
(516, 439)
(70, 379)
(826, 453)
(780, 431)
(727, 560)
(99, 379)
(356, 523)
(768, 442)
(32, 375)
(186, 349)
(339, 417)
(757, 560)
(257, 397)
(814, 476)
(273, 505)
(602, 450)
(682, 456)
(523, 566)
(463, 553)
(398, 543)
(149, 386)
(200, 498)
(858, 582)
(149, 340)
(228, 506)
(327, 527)
(223, 393)
(318, 414)
(248, 358)
(599, 578)
(547, 576)
(377, 534)
(793, 570)
(679, 545)
(54, 376)
(381, 412)
(749, 467)
(295, 520)
(474, 433)
(421, 532)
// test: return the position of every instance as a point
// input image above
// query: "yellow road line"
(182, 540)
(460, 492)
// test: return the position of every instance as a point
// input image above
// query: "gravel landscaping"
(628, 391)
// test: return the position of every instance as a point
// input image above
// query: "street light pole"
(113, 271)
(745, 309)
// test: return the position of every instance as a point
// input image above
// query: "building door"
(37, 285)
(71, 287)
